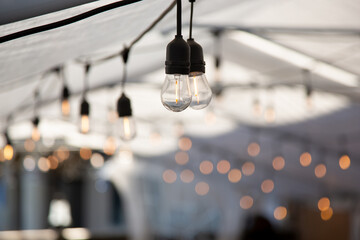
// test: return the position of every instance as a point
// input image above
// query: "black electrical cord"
(178, 17)
(66, 21)
(191, 17)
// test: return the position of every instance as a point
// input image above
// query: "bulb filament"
(85, 124)
(196, 90)
(127, 130)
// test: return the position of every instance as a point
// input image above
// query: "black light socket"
(65, 93)
(177, 57)
(36, 121)
(124, 106)
(197, 63)
(84, 108)
(7, 138)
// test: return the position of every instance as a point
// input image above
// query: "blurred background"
(275, 155)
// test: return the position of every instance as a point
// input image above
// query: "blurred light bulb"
(127, 130)
(257, 111)
(270, 114)
(200, 89)
(65, 107)
(175, 93)
(110, 145)
(35, 135)
(85, 124)
(8, 152)
(84, 113)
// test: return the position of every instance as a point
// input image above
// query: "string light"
(305, 159)
(185, 144)
(85, 107)
(8, 149)
(175, 92)
(280, 213)
(29, 145)
(202, 188)
(327, 214)
(267, 186)
(110, 146)
(278, 163)
(97, 160)
(43, 164)
(181, 158)
(85, 153)
(35, 135)
(223, 166)
(323, 203)
(253, 149)
(65, 103)
(234, 175)
(320, 170)
(248, 168)
(246, 202)
(344, 161)
(199, 86)
(169, 176)
(206, 167)
(187, 176)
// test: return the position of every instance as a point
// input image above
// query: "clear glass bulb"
(65, 107)
(35, 135)
(200, 89)
(175, 93)
(85, 124)
(8, 152)
(127, 129)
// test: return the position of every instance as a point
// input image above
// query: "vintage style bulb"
(84, 120)
(126, 123)
(35, 135)
(200, 89)
(8, 152)
(175, 93)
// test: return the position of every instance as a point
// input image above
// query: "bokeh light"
(29, 163)
(187, 176)
(223, 166)
(253, 149)
(43, 164)
(246, 202)
(53, 162)
(110, 146)
(248, 168)
(169, 176)
(181, 158)
(85, 153)
(278, 163)
(185, 144)
(344, 162)
(62, 153)
(8, 152)
(320, 170)
(202, 188)
(305, 159)
(234, 175)
(327, 214)
(323, 204)
(29, 145)
(97, 160)
(267, 186)
(280, 213)
(206, 167)
(270, 114)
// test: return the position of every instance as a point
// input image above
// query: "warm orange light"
(253, 149)
(85, 153)
(246, 202)
(53, 162)
(202, 188)
(267, 186)
(110, 146)
(320, 170)
(62, 153)
(187, 176)
(8, 152)
(85, 124)
(234, 175)
(169, 176)
(270, 114)
(223, 166)
(43, 164)
(280, 213)
(278, 163)
(2, 158)
(35, 135)
(323, 204)
(206, 167)
(344, 162)
(327, 214)
(65, 107)
(29, 145)
(181, 158)
(185, 144)
(248, 168)
(305, 159)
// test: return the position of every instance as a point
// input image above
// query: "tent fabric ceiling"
(24, 60)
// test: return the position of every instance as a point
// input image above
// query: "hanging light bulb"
(8, 149)
(65, 104)
(35, 135)
(84, 113)
(127, 130)
(199, 86)
(175, 92)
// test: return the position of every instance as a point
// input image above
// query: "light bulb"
(200, 89)
(175, 93)
(127, 128)
(65, 107)
(35, 135)
(84, 113)
(8, 152)
(85, 124)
